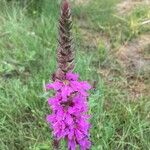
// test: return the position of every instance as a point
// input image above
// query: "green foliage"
(102, 52)
(98, 12)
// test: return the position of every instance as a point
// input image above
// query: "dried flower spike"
(65, 53)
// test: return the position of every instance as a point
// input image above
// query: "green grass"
(103, 17)
(27, 59)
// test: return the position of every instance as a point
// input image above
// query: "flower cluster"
(69, 119)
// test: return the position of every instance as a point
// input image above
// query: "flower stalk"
(69, 118)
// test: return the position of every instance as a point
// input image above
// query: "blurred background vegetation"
(112, 43)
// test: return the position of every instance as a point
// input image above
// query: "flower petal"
(85, 85)
(55, 86)
(71, 145)
(72, 76)
(85, 144)
(69, 119)
(66, 91)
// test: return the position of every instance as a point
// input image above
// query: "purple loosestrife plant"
(69, 118)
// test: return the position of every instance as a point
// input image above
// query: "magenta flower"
(69, 85)
(69, 107)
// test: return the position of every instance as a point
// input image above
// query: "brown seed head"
(65, 53)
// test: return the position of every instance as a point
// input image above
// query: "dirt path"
(126, 6)
(135, 55)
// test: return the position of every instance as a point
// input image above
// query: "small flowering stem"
(69, 118)
(55, 144)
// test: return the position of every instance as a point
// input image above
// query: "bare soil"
(135, 55)
(126, 6)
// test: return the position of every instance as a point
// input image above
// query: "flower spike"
(69, 119)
